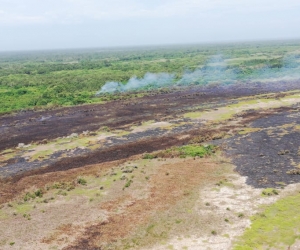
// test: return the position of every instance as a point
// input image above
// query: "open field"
(205, 166)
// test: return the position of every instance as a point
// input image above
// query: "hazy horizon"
(78, 24)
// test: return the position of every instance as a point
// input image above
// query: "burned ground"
(256, 130)
(269, 156)
(28, 126)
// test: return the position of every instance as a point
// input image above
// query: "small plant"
(270, 192)
(81, 181)
(63, 185)
(106, 129)
(11, 243)
(228, 209)
(207, 204)
(148, 156)
(61, 192)
(219, 183)
(70, 188)
(27, 216)
(226, 220)
(178, 221)
(29, 196)
(213, 232)
(38, 193)
(240, 215)
(128, 183)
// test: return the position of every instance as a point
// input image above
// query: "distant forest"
(34, 80)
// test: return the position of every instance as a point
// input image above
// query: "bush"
(269, 192)
(38, 193)
(148, 156)
(81, 181)
(128, 183)
(187, 151)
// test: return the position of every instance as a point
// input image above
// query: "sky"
(59, 24)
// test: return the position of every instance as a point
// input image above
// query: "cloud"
(60, 11)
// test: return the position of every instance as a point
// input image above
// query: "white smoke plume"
(215, 70)
(134, 83)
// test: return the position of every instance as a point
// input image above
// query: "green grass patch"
(148, 156)
(196, 150)
(277, 227)
(33, 195)
(269, 192)
(193, 115)
(187, 151)
(23, 208)
(82, 181)
(91, 188)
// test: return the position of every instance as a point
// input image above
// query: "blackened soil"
(29, 126)
(267, 156)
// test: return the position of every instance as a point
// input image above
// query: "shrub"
(269, 192)
(148, 156)
(81, 181)
(38, 193)
(128, 183)
(187, 151)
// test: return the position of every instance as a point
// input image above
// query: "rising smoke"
(134, 83)
(215, 70)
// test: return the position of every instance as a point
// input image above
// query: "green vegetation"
(187, 151)
(128, 183)
(37, 193)
(278, 226)
(148, 156)
(63, 186)
(81, 181)
(224, 182)
(269, 192)
(30, 80)
(196, 150)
